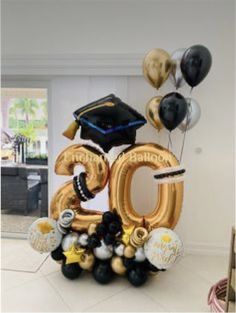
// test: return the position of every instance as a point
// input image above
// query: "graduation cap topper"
(108, 122)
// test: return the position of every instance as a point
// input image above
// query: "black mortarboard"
(108, 122)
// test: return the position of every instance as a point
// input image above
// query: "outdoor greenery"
(22, 117)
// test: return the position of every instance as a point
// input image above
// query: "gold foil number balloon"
(97, 171)
(170, 195)
(157, 67)
(152, 114)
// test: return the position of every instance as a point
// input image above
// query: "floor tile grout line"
(58, 293)
(199, 275)
(105, 299)
(25, 283)
(25, 271)
(165, 309)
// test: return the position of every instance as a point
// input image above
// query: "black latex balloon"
(71, 271)
(57, 254)
(109, 122)
(102, 272)
(137, 276)
(172, 110)
(195, 64)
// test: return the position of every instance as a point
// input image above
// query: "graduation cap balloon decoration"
(108, 122)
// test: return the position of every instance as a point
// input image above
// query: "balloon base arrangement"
(121, 241)
(107, 248)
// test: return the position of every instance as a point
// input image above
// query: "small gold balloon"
(157, 66)
(87, 261)
(138, 237)
(117, 265)
(92, 228)
(129, 252)
(152, 114)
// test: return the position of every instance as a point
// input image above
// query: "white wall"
(69, 27)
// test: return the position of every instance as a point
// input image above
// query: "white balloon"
(176, 75)
(163, 248)
(103, 252)
(139, 255)
(119, 250)
(83, 240)
(193, 115)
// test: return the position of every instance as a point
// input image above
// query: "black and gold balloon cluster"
(106, 250)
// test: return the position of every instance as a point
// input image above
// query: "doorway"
(24, 158)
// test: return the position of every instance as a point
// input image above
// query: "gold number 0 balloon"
(97, 171)
(170, 196)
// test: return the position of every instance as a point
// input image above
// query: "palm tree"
(27, 107)
(45, 112)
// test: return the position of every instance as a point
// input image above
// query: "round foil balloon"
(163, 248)
(44, 236)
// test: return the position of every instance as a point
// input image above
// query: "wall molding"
(82, 64)
(206, 249)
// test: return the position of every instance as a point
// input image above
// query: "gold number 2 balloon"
(170, 195)
(97, 172)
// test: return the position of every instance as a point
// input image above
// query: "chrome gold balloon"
(170, 195)
(87, 261)
(157, 67)
(152, 114)
(129, 251)
(97, 171)
(118, 266)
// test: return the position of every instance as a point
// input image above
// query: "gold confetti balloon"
(44, 236)
(163, 248)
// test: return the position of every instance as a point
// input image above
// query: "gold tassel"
(71, 130)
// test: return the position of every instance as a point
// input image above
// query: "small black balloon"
(137, 276)
(108, 217)
(71, 271)
(172, 110)
(101, 230)
(93, 241)
(57, 254)
(114, 227)
(102, 272)
(109, 239)
(195, 64)
(129, 263)
(150, 267)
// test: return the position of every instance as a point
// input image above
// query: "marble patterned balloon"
(44, 236)
(163, 248)
(69, 240)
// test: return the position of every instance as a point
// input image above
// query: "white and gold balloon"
(44, 236)
(163, 248)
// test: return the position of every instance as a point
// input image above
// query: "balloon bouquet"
(121, 241)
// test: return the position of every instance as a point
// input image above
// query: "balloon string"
(169, 147)
(186, 125)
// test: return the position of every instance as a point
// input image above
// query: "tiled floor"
(183, 288)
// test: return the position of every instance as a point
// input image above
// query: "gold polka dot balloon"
(44, 236)
(163, 248)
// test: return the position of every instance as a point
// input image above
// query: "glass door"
(24, 158)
